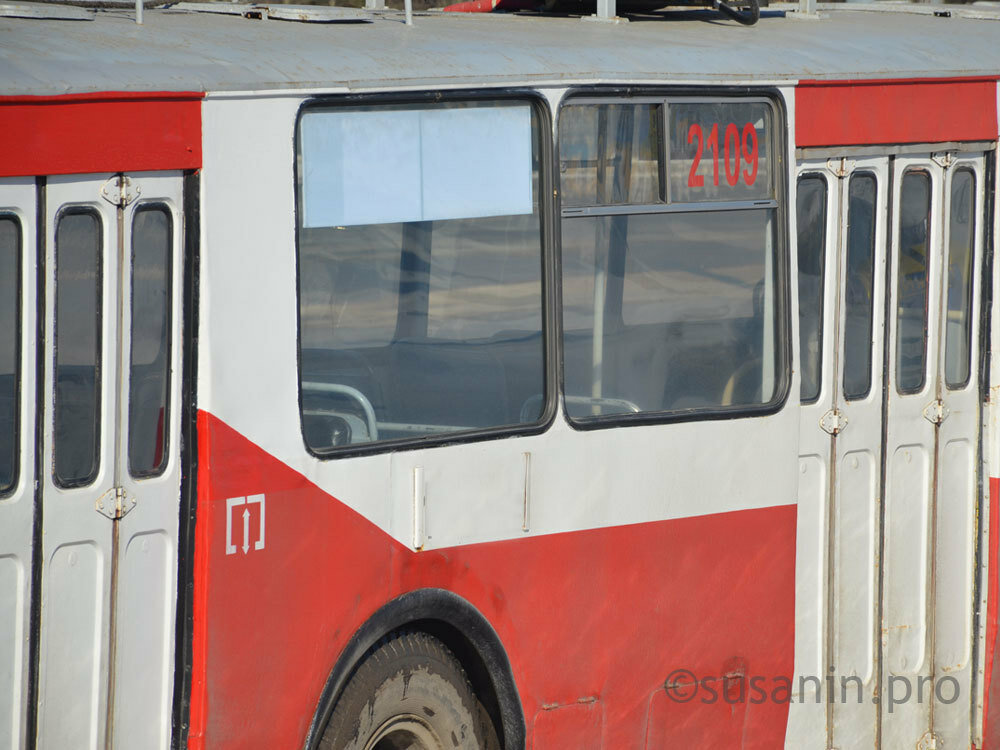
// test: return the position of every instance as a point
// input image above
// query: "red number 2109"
(735, 146)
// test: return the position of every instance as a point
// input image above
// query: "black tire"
(410, 693)
(746, 12)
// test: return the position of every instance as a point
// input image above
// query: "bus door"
(932, 428)
(841, 225)
(110, 470)
(17, 455)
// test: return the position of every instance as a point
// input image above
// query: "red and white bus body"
(207, 572)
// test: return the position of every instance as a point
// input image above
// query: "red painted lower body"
(594, 622)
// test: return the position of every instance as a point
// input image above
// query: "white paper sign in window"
(383, 166)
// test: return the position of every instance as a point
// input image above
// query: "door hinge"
(115, 503)
(119, 191)
(840, 167)
(929, 742)
(833, 422)
(943, 159)
(936, 411)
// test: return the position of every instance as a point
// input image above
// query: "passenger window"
(911, 278)
(421, 310)
(149, 369)
(78, 347)
(610, 154)
(859, 292)
(720, 151)
(10, 340)
(961, 247)
(811, 221)
(669, 308)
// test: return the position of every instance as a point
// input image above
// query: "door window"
(10, 328)
(961, 239)
(911, 281)
(78, 347)
(149, 371)
(811, 220)
(859, 293)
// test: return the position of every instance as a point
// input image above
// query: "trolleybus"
(498, 381)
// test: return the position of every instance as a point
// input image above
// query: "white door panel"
(928, 518)
(17, 454)
(76, 539)
(819, 203)
(910, 650)
(856, 551)
(147, 546)
(958, 454)
(857, 450)
(840, 456)
(908, 498)
(110, 513)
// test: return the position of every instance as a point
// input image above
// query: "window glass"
(78, 347)
(667, 309)
(392, 165)
(911, 281)
(10, 329)
(426, 327)
(961, 244)
(667, 312)
(610, 154)
(149, 371)
(720, 151)
(859, 293)
(811, 221)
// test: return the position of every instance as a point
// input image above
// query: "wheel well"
(474, 664)
(463, 629)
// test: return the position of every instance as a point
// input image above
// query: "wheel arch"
(463, 629)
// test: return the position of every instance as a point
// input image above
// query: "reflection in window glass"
(609, 154)
(78, 347)
(149, 370)
(961, 239)
(668, 312)
(422, 328)
(390, 165)
(859, 286)
(911, 281)
(811, 220)
(10, 328)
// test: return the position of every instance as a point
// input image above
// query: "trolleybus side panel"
(643, 560)
(603, 616)
(100, 132)
(846, 113)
